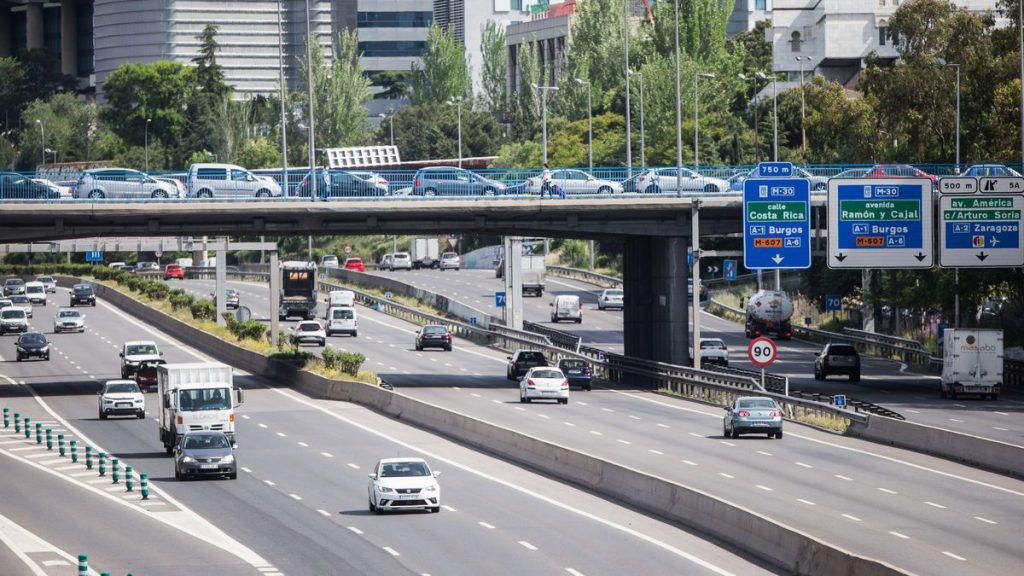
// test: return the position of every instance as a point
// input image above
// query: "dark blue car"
(577, 372)
(21, 187)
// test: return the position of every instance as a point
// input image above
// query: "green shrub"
(181, 301)
(203, 310)
(157, 290)
(351, 362)
(331, 358)
(248, 330)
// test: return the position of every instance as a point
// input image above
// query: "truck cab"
(196, 397)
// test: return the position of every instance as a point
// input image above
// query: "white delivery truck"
(195, 396)
(972, 362)
(426, 253)
(533, 271)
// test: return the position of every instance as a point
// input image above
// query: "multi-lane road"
(920, 513)
(299, 505)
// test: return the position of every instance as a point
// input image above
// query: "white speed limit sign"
(762, 352)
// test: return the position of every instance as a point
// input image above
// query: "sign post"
(880, 223)
(982, 229)
(776, 219)
(762, 352)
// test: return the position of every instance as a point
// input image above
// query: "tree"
(495, 63)
(160, 91)
(525, 100)
(259, 153)
(208, 108)
(445, 72)
(430, 131)
(757, 51)
(395, 84)
(68, 123)
(339, 92)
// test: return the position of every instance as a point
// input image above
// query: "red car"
(145, 374)
(174, 271)
(900, 171)
(355, 264)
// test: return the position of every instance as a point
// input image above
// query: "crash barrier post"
(7, 417)
(115, 470)
(60, 444)
(49, 439)
(129, 482)
(88, 457)
(103, 463)
(83, 565)
(144, 485)
(39, 433)
(17, 422)
(74, 451)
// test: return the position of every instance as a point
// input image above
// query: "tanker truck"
(768, 314)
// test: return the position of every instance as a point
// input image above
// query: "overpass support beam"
(656, 319)
(221, 287)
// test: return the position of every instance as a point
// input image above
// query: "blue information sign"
(729, 269)
(775, 169)
(839, 400)
(499, 299)
(776, 223)
(981, 231)
(833, 303)
(94, 256)
(880, 223)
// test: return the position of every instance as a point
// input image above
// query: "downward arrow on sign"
(840, 256)
(920, 256)
(982, 256)
(778, 259)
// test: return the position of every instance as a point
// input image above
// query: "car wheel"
(711, 189)
(490, 191)
(370, 505)
(725, 431)
(355, 334)
(323, 343)
(94, 304)
(263, 194)
(734, 432)
(97, 195)
(19, 357)
(587, 388)
(527, 399)
(177, 475)
(820, 186)
(47, 357)
(159, 194)
(233, 476)
(141, 415)
(204, 194)
(778, 435)
(563, 400)
(430, 192)
(653, 190)
(855, 377)
(435, 509)
(377, 509)
(103, 415)
(522, 398)
(604, 190)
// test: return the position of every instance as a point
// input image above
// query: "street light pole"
(679, 110)
(643, 153)
(391, 124)
(753, 100)
(629, 124)
(945, 64)
(309, 95)
(775, 115)
(42, 139)
(590, 125)
(696, 116)
(458, 106)
(284, 123)
(544, 117)
(148, 120)
(803, 130)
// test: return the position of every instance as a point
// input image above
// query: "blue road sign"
(499, 299)
(689, 257)
(729, 269)
(775, 169)
(94, 256)
(880, 223)
(833, 302)
(981, 231)
(776, 223)
(839, 400)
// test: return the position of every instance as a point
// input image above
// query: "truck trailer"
(972, 362)
(768, 314)
(195, 396)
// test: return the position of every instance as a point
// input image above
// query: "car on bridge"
(544, 383)
(32, 345)
(204, 453)
(445, 181)
(990, 170)
(662, 180)
(338, 184)
(752, 414)
(122, 183)
(403, 484)
(900, 171)
(14, 186)
(228, 181)
(837, 359)
(817, 183)
(572, 181)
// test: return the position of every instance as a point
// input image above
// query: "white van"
(329, 261)
(343, 319)
(567, 307)
(36, 292)
(342, 298)
(228, 181)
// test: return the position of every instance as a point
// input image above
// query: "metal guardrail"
(585, 276)
(557, 337)
(1013, 373)
(772, 382)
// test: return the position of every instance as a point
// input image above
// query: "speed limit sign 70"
(762, 352)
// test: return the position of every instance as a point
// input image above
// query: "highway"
(921, 513)
(899, 387)
(300, 503)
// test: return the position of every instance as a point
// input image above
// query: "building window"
(761, 5)
(883, 35)
(393, 48)
(394, 19)
(795, 41)
(881, 3)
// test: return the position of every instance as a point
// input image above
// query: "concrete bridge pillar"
(656, 317)
(34, 26)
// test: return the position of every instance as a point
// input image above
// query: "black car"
(204, 454)
(338, 184)
(33, 345)
(83, 294)
(577, 372)
(522, 360)
(18, 187)
(837, 359)
(434, 336)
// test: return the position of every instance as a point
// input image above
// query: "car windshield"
(756, 403)
(139, 349)
(531, 357)
(33, 339)
(205, 399)
(842, 350)
(613, 292)
(69, 314)
(19, 299)
(231, 292)
(45, 279)
(122, 388)
(403, 469)
(34, 288)
(9, 314)
(343, 314)
(435, 330)
(546, 374)
(206, 442)
(711, 344)
(14, 282)
(308, 327)
(83, 290)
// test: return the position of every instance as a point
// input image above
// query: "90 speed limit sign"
(762, 352)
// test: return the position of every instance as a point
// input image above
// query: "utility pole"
(309, 94)
(629, 127)
(284, 99)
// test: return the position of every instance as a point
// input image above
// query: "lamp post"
(775, 115)
(696, 116)
(643, 152)
(679, 109)
(148, 121)
(391, 117)
(945, 64)
(590, 124)
(48, 151)
(753, 100)
(457, 102)
(309, 95)
(629, 121)
(544, 117)
(284, 99)
(803, 131)
(42, 139)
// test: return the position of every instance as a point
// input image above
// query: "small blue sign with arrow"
(94, 256)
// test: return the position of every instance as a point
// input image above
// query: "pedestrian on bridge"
(545, 181)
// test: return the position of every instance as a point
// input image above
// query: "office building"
(466, 19)
(62, 27)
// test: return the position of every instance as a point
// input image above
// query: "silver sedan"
(756, 414)
(575, 182)
(666, 180)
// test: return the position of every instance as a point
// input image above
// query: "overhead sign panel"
(981, 230)
(958, 185)
(1001, 185)
(776, 223)
(880, 223)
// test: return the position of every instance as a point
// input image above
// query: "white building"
(466, 18)
(746, 14)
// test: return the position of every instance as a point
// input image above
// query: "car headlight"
(108, 401)
(138, 401)
(187, 459)
(431, 488)
(385, 489)
(228, 459)
(45, 348)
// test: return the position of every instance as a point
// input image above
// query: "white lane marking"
(626, 442)
(303, 444)
(327, 455)
(520, 408)
(581, 403)
(887, 491)
(653, 451)
(323, 512)
(724, 475)
(596, 433)
(474, 394)
(449, 508)
(353, 466)
(545, 416)
(801, 464)
(262, 425)
(574, 572)
(860, 451)
(933, 504)
(527, 545)
(391, 551)
(1000, 429)
(56, 563)
(486, 525)
(246, 470)
(549, 500)
(607, 409)
(245, 416)
(956, 420)
(269, 483)
(295, 497)
(765, 488)
(954, 556)
(808, 502)
(355, 530)
(1002, 413)
(726, 443)
(898, 535)
(663, 425)
(854, 518)
(568, 423)
(281, 434)
(841, 477)
(689, 463)
(985, 520)
(695, 435)
(763, 453)
(635, 417)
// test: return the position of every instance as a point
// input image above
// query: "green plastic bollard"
(129, 482)
(39, 433)
(17, 422)
(115, 470)
(49, 439)
(103, 463)
(88, 457)
(60, 444)
(28, 427)
(83, 565)
(7, 417)
(144, 485)
(74, 451)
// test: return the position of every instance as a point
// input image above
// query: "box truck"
(425, 253)
(972, 362)
(298, 290)
(196, 396)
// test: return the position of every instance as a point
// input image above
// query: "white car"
(574, 182)
(610, 298)
(544, 382)
(134, 352)
(21, 301)
(450, 261)
(13, 319)
(712, 351)
(329, 261)
(48, 282)
(666, 180)
(401, 261)
(403, 484)
(68, 320)
(35, 292)
(310, 331)
(120, 397)
(373, 178)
